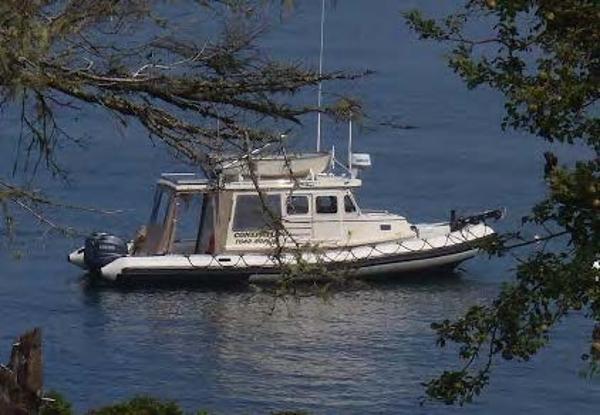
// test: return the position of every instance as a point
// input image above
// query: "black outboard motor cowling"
(102, 249)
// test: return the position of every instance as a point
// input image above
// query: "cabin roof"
(192, 182)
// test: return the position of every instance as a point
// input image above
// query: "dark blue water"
(365, 350)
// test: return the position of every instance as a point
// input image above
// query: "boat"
(267, 217)
(257, 224)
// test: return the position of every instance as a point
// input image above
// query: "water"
(366, 350)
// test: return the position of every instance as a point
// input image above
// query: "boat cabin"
(193, 215)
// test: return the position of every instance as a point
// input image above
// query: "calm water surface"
(364, 351)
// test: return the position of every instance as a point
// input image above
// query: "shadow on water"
(442, 279)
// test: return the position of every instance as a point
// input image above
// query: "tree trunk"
(21, 381)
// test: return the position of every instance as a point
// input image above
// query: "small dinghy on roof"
(225, 229)
(278, 166)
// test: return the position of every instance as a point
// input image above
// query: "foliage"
(56, 404)
(346, 109)
(543, 57)
(203, 90)
(140, 405)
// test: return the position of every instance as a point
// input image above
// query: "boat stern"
(99, 250)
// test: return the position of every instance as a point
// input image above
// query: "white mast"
(319, 98)
(350, 144)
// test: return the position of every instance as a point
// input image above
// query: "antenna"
(350, 144)
(320, 93)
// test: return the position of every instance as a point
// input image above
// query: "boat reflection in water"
(363, 349)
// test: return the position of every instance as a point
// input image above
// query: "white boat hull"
(436, 248)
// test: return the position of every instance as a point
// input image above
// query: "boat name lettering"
(254, 237)
(254, 234)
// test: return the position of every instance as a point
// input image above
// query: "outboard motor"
(102, 249)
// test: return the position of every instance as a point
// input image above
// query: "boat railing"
(374, 211)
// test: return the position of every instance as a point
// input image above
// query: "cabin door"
(297, 217)
(327, 221)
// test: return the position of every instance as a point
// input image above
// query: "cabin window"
(327, 204)
(297, 205)
(349, 206)
(162, 205)
(250, 213)
(206, 234)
